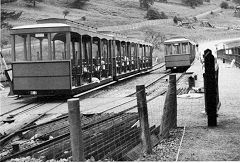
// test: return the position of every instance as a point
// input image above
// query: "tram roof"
(231, 44)
(40, 28)
(46, 25)
(56, 25)
(176, 40)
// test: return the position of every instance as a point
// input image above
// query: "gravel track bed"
(167, 149)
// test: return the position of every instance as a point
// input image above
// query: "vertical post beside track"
(191, 82)
(143, 118)
(169, 117)
(210, 88)
(75, 130)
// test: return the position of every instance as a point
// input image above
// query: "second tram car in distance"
(63, 57)
(229, 50)
(179, 53)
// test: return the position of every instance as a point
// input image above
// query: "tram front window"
(176, 49)
(185, 48)
(39, 46)
(168, 49)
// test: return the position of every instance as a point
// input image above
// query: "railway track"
(63, 122)
(29, 106)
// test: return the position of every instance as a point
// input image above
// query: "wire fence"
(112, 134)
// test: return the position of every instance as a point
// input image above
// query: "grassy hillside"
(100, 13)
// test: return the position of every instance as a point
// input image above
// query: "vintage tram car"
(63, 57)
(229, 51)
(179, 53)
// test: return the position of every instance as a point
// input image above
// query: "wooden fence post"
(169, 117)
(210, 88)
(75, 129)
(143, 118)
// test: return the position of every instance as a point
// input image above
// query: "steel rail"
(20, 107)
(4, 140)
(58, 119)
(59, 138)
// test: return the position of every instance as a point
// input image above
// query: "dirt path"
(136, 25)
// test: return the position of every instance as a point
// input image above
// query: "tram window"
(32, 52)
(104, 59)
(176, 49)
(95, 51)
(19, 51)
(59, 50)
(104, 53)
(140, 52)
(228, 51)
(185, 48)
(168, 49)
(132, 52)
(83, 51)
(122, 51)
(44, 49)
(147, 51)
(118, 51)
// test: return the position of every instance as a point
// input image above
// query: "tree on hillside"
(32, 3)
(224, 5)
(65, 13)
(236, 1)
(146, 3)
(153, 14)
(7, 15)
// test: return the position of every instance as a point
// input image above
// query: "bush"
(192, 3)
(175, 20)
(83, 18)
(65, 13)
(7, 1)
(154, 14)
(236, 1)
(224, 5)
(78, 4)
(32, 3)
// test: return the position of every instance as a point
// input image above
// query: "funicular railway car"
(179, 53)
(63, 57)
(229, 51)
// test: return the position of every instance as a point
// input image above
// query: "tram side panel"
(51, 77)
(182, 60)
(125, 60)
